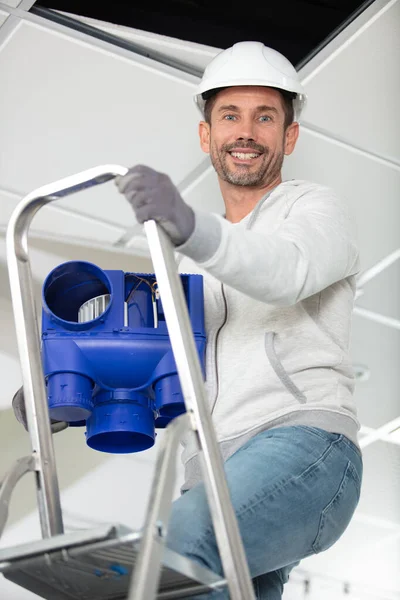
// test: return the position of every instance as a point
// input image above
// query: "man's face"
(247, 139)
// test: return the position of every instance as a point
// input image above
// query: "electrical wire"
(141, 280)
(154, 295)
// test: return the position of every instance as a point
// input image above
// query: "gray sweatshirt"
(279, 293)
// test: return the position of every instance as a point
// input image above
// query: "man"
(279, 280)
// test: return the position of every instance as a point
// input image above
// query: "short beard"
(268, 171)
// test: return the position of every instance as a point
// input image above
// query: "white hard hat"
(251, 63)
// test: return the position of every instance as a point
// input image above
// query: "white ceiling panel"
(73, 106)
(100, 256)
(8, 342)
(206, 194)
(356, 94)
(386, 304)
(58, 221)
(377, 347)
(381, 483)
(13, 380)
(13, 3)
(371, 189)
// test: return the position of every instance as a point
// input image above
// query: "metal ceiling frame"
(149, 60)
(12, 21)
(377, 317)
(115, 40)
(344, 38)
(378, 434)
(341, 143)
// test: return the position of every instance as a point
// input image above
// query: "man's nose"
(246, 129)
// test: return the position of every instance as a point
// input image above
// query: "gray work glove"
(18, 404)
(152, 195)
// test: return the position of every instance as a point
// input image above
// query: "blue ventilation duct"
(106, 353)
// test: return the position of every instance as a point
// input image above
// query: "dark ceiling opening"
(297, 28)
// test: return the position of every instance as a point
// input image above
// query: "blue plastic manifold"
(106, 352)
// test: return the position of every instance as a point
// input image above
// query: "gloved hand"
(18, 404)
(152, 195)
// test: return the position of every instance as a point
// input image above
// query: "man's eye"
(265, 118)
(229, 117)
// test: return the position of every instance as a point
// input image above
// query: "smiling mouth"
(244, 156)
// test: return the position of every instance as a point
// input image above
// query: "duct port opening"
(77, 292)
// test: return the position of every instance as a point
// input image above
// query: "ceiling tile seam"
(383, 437)
(26, 4)
(365, 430)
(344, 39)
(84, 243)
(129, 235)
(84, 217)
(387, 428)
(8, 29)
(377, 317)
(66, 210)
(341, 143)
(104, 47)
(378, 268)
(388, 439)
(195, 177)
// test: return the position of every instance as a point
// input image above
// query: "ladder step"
(97, 565)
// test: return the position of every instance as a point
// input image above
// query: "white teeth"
(244, 155)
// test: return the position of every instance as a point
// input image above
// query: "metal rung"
(97, 565)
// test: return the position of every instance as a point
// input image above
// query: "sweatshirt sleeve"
(313, 248)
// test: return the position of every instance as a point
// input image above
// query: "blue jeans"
(294, 491)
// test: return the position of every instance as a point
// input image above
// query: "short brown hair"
(287, 101)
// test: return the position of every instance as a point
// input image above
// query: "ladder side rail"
(226, 528)
(28, 340)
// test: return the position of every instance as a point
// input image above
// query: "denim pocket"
(337, 515)
(321, 433)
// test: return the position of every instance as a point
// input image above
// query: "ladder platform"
(97, 564)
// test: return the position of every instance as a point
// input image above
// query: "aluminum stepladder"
(112, 562)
